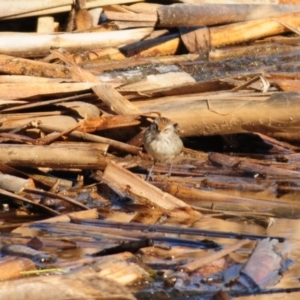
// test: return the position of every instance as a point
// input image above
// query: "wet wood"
(75, 197)
(148, 194)
(205, 260)
(251, 167)
(151, 82)
(27, 201)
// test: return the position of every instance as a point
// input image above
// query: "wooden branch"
(20, 66)
(23, 8)
(25, 90)
(148, 194)
(110, 96)
(27, 201)
(31, 44)
(130, 17)
(251, 30)
(51, 156)
(250, 167)
(14, 184)
(99, 139)
(211, 14)
(209, 117)
(209, 258)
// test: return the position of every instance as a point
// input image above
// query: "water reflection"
(290, 229)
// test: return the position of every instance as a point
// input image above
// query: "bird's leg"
(150, 172)
(170, 170)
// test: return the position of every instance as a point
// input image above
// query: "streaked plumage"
(162, 142)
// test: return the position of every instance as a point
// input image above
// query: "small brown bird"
(162, 142)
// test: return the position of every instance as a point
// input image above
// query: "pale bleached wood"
(95, 13)
(208, 14)
(148, 194)
(23, 8)
(51, 123)
(252, 30)
(29, 79)
(28, 104)
(11, 8)
(79, 215)
(158, 81)
(10, 91)
(143, 7)
(21, 66)
(210, 117)
(224, 96)
(266, 2)
(50, 126)
(68, 286)
(80, 145)
(14, 184)
(110, 96)
(117, 8)
(12, 266)
(45, 25)
(32, 44)
(51, 157)
(8, 102)
(99, 139)
(131, 17)
(124, 179)
(131, 24)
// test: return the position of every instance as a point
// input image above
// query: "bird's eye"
(154, 126)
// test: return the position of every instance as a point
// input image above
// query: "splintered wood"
(80, 83)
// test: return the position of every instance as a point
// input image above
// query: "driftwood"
(52, 156)
(23, 9)
(62, 287)
(20, 66)
(206, 14)
(149, 195)
(10, 44)
(208, 117)
(75, 187)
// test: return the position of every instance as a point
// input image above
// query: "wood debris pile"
(76, 97)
